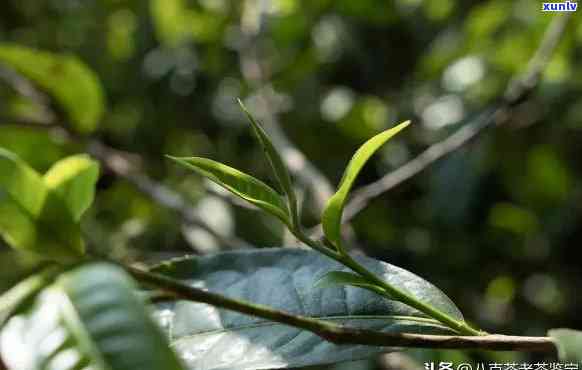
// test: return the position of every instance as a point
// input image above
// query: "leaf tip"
(247, 113)
(403, 125)
(173, 158)
(242, 106)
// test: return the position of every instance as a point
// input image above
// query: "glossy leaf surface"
(210, 338)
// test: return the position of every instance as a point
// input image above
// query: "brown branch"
(341, 334)
(518, 90)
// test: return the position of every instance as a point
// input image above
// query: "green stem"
(320, 247)
(337, 333)
(404, 297)
(391, 291)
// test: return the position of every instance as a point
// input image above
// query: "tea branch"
(340, 334)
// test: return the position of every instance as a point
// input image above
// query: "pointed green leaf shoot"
(240, 184)
(279, 169)
(332, 214)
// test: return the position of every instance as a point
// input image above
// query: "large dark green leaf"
(209, 338)
(73, 85)
(32, 217)
(332, 214)
(90, 318)
(568, 343)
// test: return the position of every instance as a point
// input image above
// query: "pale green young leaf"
(279, 168)
(335, 278)
(94, 319)
(239, 183)
(21, 183)
(332, 214)
(33, 218)
(73, 85)
(568, 343)
(74, 179)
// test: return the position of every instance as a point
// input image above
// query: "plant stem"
(391, 292)
(320, 247)
(339, 334)
(404, 297)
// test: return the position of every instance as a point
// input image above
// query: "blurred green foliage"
(496, 225)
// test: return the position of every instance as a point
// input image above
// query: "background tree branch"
(518, 90)
(256, 75)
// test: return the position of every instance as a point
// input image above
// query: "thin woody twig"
(518, 90)
(340, 334)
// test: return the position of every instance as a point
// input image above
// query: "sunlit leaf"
(275, 160)
(74, 179)
(332, 215)
(568, 343)
(245, 186)
(284, 278)
(73, 85)
(94, 320)
(33, 218)
(176, 22)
